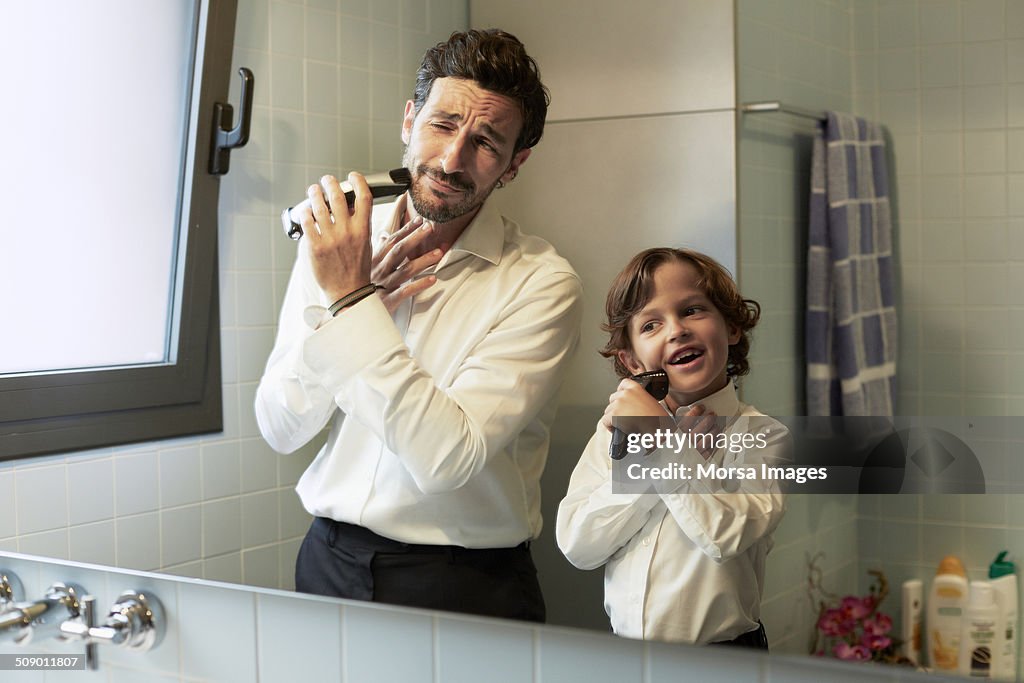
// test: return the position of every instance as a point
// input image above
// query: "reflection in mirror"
(223, 506)
(936, 78)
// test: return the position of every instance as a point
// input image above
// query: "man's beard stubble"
(428, 205)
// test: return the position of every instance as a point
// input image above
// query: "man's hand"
(394, 270)
(339, 238)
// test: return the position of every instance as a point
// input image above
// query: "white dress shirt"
(686, 563)
(441, 415)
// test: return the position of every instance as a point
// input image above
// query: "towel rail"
(759, 107)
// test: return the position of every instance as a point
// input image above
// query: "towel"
(851, 314)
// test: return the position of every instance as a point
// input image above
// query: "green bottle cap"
(1000, 566)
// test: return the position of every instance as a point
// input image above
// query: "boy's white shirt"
(685, 564)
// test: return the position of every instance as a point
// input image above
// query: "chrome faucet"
(23, 622)
(136, 621)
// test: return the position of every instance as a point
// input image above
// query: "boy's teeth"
(686, 358)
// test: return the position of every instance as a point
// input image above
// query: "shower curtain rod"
(758, 107)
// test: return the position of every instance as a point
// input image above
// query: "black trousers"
(756, 639)
(347, 561)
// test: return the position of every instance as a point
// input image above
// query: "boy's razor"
(390, 184)
(655, 383)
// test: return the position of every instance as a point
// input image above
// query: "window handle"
(226, 138)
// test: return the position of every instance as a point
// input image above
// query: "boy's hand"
(630, 400)
(699, 420)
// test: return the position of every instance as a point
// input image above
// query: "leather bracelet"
(353, 298)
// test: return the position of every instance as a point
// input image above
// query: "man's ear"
(407, 120)
(630, 362)
(518, 159)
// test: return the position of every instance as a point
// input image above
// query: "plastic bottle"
(912, 596)
(946, 603)
(981, 633)
(1004, 582)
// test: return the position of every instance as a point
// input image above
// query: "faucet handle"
(136, 621)
(141, 617)
(11, 590)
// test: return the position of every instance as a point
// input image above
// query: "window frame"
(84, 409)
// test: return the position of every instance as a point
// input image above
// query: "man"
(443, 384)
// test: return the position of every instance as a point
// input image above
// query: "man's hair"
(634, 287)
(498, 62)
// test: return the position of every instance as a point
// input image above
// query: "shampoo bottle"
(981, 633)
(1004, 582)
(912, 598)
(946, 603)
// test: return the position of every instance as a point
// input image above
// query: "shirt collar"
(483, 237)
(723, 402)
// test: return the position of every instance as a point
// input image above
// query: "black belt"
(363, 537)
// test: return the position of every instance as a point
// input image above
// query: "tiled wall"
(947, 79)
(637, 152)
(332, 77)
(231, 634)
(800, 54)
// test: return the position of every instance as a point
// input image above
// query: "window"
(108, 263)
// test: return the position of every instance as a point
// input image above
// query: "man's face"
(458, 147)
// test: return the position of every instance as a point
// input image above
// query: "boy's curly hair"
(634, 287)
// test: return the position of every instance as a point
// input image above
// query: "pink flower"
(834, 622)
(857, 608)
(851, 653)
(875, 642)
(878, 625)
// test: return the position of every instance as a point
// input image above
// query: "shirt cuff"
(347, 343)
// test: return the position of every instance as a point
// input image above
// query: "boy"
(685, 563)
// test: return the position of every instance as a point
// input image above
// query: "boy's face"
(680, 331)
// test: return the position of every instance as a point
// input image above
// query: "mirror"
(222, 507)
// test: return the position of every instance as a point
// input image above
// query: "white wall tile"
(369, 635)
(138, 541)
(633, 51)
(260, 518)
(321, 35)
(984, 106)
(221, 469)
(355, 42)
(215, 652)
(941, 153)
(91, 490)
(466, 647)
(180, 473)
(941, 23)
(45, 544)
(93, 543)
(261, 567)
(222, 526)
(287, 25)
(181, 535)
(579, 656)
(259, 465)
(984, 63)
(136, 486)
(321, 633)
(983, 19)
(42, 498)
(940, 65)
(8, 507)
(226, 568)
